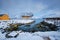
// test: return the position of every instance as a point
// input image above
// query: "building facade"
(27, 15)
(4, 17)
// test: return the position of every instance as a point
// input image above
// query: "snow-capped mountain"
(52, 15)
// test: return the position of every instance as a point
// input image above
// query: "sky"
(39, 8)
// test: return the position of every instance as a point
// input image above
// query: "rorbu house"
(4, 17)
(27, 15)
(26, 19)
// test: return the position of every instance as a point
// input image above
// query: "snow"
(49, 21)
(4, 23)
(25, 21)
(12, 33)
(53, 35)
(2, 36)
(53, 22)
(26, 36)
(17, 21)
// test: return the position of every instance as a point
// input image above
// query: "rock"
(46, 38)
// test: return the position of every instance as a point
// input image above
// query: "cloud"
(52, 13)
(40, 8)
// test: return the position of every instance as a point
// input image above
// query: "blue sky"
(40, 8)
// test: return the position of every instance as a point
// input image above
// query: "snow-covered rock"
(17, 21)
(5, 23)
(13, 33)
(53, 35)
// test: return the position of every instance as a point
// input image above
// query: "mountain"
(53, 15)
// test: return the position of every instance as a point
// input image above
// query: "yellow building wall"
(4, 17)
(26, 17)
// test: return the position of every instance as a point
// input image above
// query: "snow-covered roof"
(2, 14)
(27, 14)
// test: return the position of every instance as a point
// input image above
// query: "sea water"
(31, 26)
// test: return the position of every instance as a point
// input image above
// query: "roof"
(2, 14)
(27, 14)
